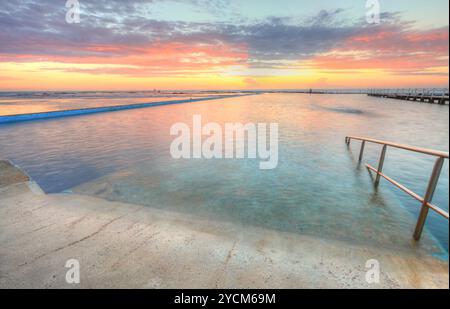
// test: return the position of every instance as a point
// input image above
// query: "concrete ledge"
(85, 111)
(11, 174)
(129, 246)
(122, 245)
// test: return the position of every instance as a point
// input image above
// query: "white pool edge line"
(94, 110)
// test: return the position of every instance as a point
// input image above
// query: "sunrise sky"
(218, 44)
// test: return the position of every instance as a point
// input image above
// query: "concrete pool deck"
(122, 245)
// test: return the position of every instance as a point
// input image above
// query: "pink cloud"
(170, 58)
(390, 49)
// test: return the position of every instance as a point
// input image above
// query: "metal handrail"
(431, 152)
(426, 201)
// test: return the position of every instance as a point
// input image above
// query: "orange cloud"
(167, 58)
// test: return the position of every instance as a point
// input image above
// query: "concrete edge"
(33, 185)
(103, 109)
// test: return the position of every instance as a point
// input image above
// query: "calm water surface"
(318, 188)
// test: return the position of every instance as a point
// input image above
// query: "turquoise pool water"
(317, 189)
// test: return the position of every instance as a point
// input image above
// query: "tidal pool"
(317, 189)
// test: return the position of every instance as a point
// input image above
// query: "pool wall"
(84, 111)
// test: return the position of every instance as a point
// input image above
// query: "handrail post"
(380, 165)
(428, 197)
(361, 153)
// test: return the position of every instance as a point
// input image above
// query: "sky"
(223, 44)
